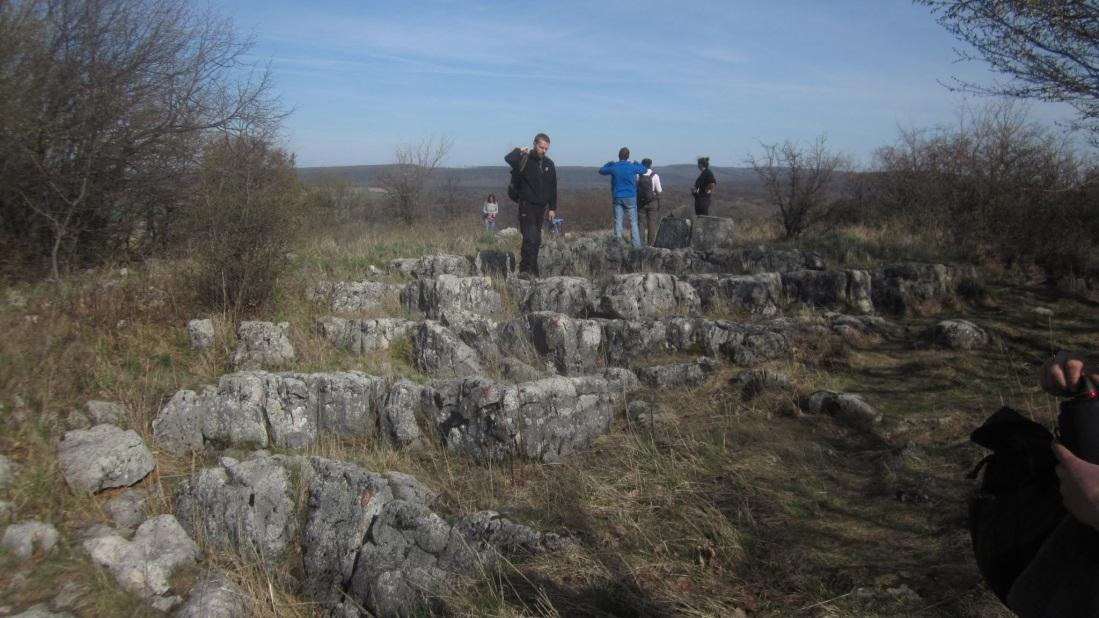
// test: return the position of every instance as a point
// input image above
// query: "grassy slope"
(724, 504)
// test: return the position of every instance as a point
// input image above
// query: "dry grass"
(723, 504)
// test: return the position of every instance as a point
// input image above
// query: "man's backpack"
(645, 191)
(1019, 502)
(513, 186)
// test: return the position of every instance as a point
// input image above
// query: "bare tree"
(798, 181)
(450, 192)
(1048, 48)
(103, 104)
(407, 180)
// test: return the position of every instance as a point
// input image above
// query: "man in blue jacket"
(623, 175)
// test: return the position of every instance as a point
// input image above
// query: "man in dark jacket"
(536, 184)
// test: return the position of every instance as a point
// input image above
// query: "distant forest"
(571, 178)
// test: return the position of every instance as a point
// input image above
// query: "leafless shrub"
(407, 180)
(800, 182)
(102, 107)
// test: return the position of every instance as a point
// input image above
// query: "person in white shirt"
(648, 199)
(489, 212)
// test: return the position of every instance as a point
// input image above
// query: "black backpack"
(513, 186)
(645, 192)
(1019, 501)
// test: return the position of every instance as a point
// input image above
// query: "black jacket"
(538, 180)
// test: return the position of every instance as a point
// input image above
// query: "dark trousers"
(702, 205)
(530, 225)
(651, 213)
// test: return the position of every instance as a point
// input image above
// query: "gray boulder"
(627, 340)
(957, 335)
(754, 382)
(106, 412)
(214, 596)
(363, 336)
(515, 370)
(640, 414)
(712, 233)
(903, 287)
(103, 457)
(7, 472)
(647, 295)
(543, 420)
(673, 233)
(178, 427)
(351, 296)
(200, 333)
(397, 416)
(245, 507)
(144, 565)
(820, 288)
(431, 297)
(568, 346)
(262, 344)
(846, 408)
(127, 509)
(494, 263)
(677, 375)
(41, 611)
(410, 559)
(568, 295)
(744, 344)
(24, 538)
(757, 294)
(476, 331)
(620, 381)
(431, 266)
(438, 351)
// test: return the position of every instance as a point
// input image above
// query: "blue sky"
(670, 80)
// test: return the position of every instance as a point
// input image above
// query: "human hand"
(524, 150)
(1062, 374)
(1079, 485)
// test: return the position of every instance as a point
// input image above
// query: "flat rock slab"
(648, 295)
(431, 265)
(102, 457)
(543, 420)
(756, 294)
(432, 297)
(351, 296)
(260, 408)
(569, 295)
(677, 375)
(363, 336)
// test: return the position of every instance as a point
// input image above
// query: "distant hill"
(571, 178)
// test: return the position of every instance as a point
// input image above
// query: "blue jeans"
(628, 204)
